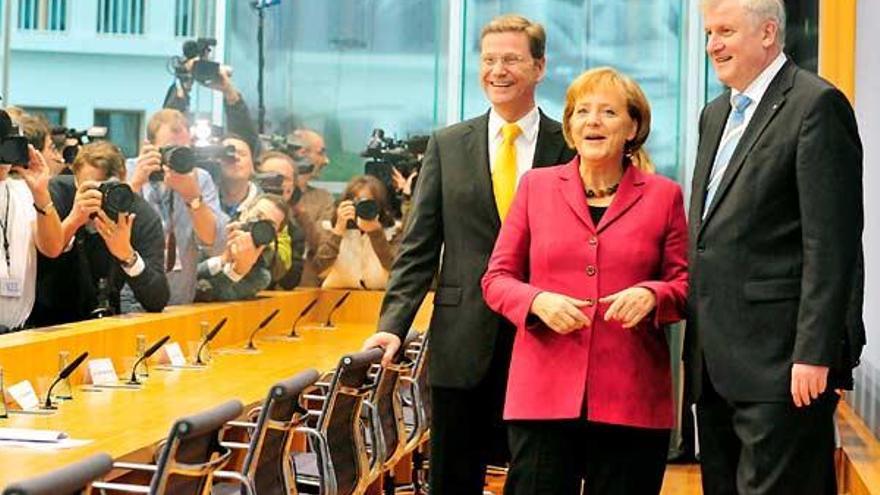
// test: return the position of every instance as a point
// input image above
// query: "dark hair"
(377, 189)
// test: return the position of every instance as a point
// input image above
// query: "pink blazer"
(548, 242)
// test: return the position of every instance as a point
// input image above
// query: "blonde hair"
(606, 78)
(167, 116)
(103, 155)
(515, 23)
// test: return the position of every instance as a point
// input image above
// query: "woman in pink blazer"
(590, 262)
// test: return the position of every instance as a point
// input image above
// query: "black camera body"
(14, 150)
(183, 159)
(262, 231)
(270, 182)
(366, 209)
(385, 153)
(77, 138)
(116, 197)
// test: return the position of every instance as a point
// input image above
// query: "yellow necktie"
(504, 175)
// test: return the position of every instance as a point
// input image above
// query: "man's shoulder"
(460, 128)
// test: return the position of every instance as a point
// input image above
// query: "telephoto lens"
(262, 231)
(367, 209)
(181, 159)
(117, 198)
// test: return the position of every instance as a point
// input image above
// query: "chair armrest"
(120, 487)
(241, 424)
(135, 466)
(235, 445)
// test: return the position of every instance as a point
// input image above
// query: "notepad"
(31, 435)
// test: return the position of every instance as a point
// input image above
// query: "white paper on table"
(31, 435)
(23, 393)
(102, 372)
(67, 443)
(175, 354)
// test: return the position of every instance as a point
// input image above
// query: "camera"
(117, 197)
(367, 209)
(270, 182)
(73, 139)
(262, 231)
(385, 153)
(183, 159)
(14, 150)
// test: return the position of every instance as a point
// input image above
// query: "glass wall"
(345, 67)
(641, 39)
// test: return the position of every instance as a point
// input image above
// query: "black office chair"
(74, 479)
(337, 463)
(191, 458)
(384, 422)
(267, 463)
(416, 399)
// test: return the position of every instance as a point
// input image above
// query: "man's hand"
(148, 161)
(86, 202)
(629, 306)
(344, 212)
(561, 313)
(36, 175)
(116, 235)
(186, 185)
(243, 251)
(389, 342)
(808, 382)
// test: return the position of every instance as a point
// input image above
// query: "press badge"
(11, 287)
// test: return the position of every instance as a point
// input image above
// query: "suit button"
(591, 270)
(590, 301)
(593, 241)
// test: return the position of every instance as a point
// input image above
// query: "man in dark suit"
(465, 187)
(776, 223)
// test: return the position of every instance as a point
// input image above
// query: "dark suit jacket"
(773, 265)
(454, 208)
(67, 293)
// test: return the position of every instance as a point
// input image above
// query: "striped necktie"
(504, 175)
(733, 131)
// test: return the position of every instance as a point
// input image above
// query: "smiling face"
(600, 126)
(509, 74)
(739, 44)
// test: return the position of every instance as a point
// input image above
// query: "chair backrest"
(418, 390)
(388, 414)
(73, 479)
(339, 422)
(193, 452)
(267, 460)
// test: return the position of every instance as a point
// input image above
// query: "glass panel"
(344, 67)
(55, 116)
(641, 39)
(123, 128)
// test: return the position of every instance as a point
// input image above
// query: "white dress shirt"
(755, 91)
(525, 143)
(20, 228)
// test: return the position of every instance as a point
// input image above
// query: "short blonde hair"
(515, 23)
(103, 155)
(606, 78)
(167, 116)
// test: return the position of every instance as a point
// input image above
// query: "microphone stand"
(302, 313)
(250, 345)
(328, 325)
(208, 338)
(61, 376)
(133, 380)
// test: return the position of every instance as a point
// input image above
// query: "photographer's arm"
(385, 250)
(150, 286)
(48, 234)
(86, 202)
(197, 184)
(238, 117)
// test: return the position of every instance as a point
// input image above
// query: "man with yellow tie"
(466, 185)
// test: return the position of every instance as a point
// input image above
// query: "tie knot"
(510, 132)
(741, 102)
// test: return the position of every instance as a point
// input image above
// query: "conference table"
(128, 422)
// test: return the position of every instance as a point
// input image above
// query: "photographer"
(358, 251)
(292, 239)
(38, 133)
(236, 187)
(244, 267)
(28, 223)
(186, 202)
(112, 237)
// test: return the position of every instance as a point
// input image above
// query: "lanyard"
(4, 225)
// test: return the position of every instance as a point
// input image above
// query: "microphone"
(133, 380)
(250, 345)
(302, 313)
(61, 376)
(209, 337)
(329, 322)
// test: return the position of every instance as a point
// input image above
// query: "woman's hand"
(561, 313)
(629, 306)
(344, 212)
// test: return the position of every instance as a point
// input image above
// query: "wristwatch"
(131, 261)
(195, 203)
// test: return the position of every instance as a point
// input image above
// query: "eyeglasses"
(508, 60)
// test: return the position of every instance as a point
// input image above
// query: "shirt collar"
(528, 124)
(755, 91)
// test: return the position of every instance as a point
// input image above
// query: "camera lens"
(262, 232)
(117, 198)
(181, 159)
(367, 209)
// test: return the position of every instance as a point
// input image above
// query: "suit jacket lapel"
(770, 104)
(477, 144)
(711, 133)
(550, 142)
(628, 194)
(571, 188)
